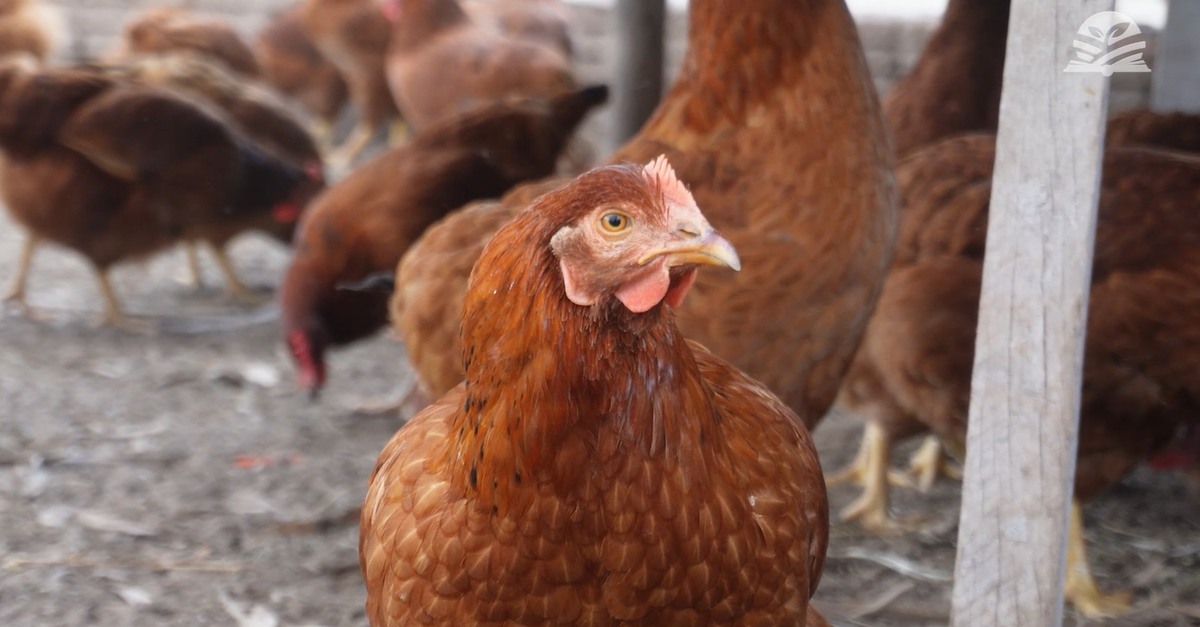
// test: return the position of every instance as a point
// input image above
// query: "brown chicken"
(118, 171)
(955, 86)
(256, 112)
(441, 63)
(174, 29)
(784, 146)
(353, 35)
(545, 22)
(596, 467)
(1143, 323)
(31, 27)
(368, 220)
(292, 64)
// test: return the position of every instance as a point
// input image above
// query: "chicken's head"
(640, 243)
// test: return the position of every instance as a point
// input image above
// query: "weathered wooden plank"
(1176, 82)
(638, 34)
(1025, 391)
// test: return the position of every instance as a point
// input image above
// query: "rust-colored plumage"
(117, 170)
(545, 22)
(955, 86)
(441, 62)
(353, 35)
(292, 64)
(1139, 389)
(31, 27)
(174, 29)
(368, 220)
(595, 468)
(783, 144)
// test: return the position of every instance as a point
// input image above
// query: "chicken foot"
(113, 315)
(1080, 588)
(870, 470)
(926, 464)
(233, 283)
(16, 291)
(348, 151)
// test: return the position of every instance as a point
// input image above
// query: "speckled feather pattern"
(595, 468)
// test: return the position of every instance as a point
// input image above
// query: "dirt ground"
(178, 478)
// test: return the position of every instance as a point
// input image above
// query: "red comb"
(285, 212)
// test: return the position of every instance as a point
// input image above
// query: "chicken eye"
(614, 222)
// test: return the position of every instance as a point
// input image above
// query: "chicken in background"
(117, 171)
(954, 88)
(175, 29)
(32, 27)
(441, 63)
(784, 145)
(353, 35)
(545, 22)
(596, 467)
(257, 113)
(955, 85)
(1139, 383)
(364, 223)
(292, 64)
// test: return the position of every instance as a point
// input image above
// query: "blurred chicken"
(596, 467)
(353, 35)
(544, 22)
(292, 64)
(175, 29)
(794, 182)
(255, 112)
(1143, 321)
(369, 219)
(117, 171)
(31, 27)
(441, 62)
(955, 85)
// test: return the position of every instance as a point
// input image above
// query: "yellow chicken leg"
(397, 132)
(926, 464)
(236, 287)
(193, 263)
(345, 154)
(1080, 588)
(113, 315)
(16, 291)
(870, 470)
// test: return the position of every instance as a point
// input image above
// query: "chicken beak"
(694, 245)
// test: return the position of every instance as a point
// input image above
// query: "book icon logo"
(1108, 42)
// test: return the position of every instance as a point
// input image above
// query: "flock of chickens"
(601, 449)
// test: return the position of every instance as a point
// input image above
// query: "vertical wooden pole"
(1175, 84)
(1029, 350)
(639, 28)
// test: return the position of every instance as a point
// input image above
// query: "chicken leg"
(1080, 588)
(349, 149)
(113, 315)
(193, 263)
(236, 287)
(926, 464)
(870, 470)
(16, 291)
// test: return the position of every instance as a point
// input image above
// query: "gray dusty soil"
(178, 479)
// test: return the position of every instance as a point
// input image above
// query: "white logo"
(1108, 42)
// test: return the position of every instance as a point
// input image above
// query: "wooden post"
(1025, 391)
(639, 27)
(1176, 80)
